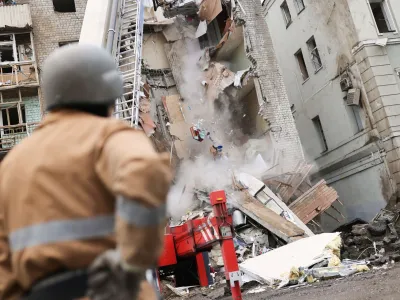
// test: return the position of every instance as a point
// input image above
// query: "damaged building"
(213, 74)
(339, 61)
(314, 117)
(19, 80)
(29, 32)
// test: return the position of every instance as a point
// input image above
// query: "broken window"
(6, 55)
(302, 64)
(314, 54)
(299, 5)
(286, 13)
(12, 116)
(318, 127)
(64, 6)
(24, 47)
(6, 38)
(382, 15)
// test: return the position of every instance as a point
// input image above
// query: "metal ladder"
(129, 59)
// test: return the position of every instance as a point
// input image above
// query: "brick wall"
(50, 27)
(32, 109)
(275, 103)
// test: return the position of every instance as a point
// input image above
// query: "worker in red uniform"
(84, 191)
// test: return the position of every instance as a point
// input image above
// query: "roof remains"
(15, 17)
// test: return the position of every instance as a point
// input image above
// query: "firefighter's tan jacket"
(58, 207)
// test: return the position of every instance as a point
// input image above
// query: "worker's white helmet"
(80, 75)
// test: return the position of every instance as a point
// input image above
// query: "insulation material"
(314, 202)
(218, 78)
(274, 267)
(209, 10)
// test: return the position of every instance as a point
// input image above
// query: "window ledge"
(388, 34)
(288, 24)
(319, 69)
(306, 80)
(301, 11)
(325, 151)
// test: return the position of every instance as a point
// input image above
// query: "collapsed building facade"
(19, 80)
(339, 60)
(216, 68)
(198, 54)
(29, 32)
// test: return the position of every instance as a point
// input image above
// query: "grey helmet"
(80, 75)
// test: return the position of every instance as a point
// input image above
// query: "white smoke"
(202, 172)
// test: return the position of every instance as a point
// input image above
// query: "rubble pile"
(205, 119)
(377, 241)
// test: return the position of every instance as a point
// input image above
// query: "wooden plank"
(268, 219)
(283, 205)
(296, 180)
(314, 202)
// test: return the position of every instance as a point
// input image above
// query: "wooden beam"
(274, 223)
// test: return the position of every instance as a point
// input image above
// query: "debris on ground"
(203, 114)
(377, 241)
(308, 259)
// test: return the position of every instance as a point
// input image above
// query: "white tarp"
(274, 266)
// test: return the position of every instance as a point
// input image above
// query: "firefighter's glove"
(110, 280)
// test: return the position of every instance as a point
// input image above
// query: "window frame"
(20, 114)
(296, 55)
(58, 10)
(389, 18)
(286, 13)
(321, 134)
(314, 49)
(296, 4)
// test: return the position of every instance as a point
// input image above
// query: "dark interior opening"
(318, 126)
(13, 113)
(302, 64)
(380, 18)
(5, 38)
(64, 6)
(6, 55)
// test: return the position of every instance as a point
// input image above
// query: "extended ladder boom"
(129, 57)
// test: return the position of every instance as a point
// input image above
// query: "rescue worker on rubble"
(80, 186)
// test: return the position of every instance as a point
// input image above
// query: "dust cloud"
(201, 171)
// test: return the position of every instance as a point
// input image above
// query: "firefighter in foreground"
(82, 185)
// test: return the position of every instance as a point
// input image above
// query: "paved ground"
(377, 285)
(382, 285)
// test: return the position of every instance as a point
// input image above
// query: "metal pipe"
(113, 23)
